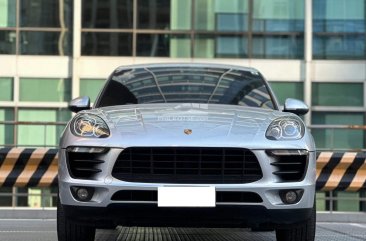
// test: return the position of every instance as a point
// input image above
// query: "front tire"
(302, 232)
(70, 231)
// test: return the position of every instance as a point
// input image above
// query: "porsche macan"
(188, 145)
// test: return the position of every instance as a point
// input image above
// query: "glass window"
(7, 13)
(337, 94)
(349, 46)
(278, 28)
(22, 198)
(163, 45)
(339, 16)
(181, 14)
(164, 14)
(335, 118)
(41, 89)
(348, 201)
(204, 46)
(338, 138)
(320, 201)
(220, 46)
(106, 44)
(41, 135)
(180, 46)
(284, 90)
(339, 29)
(91, 88)
(7, 42)
(283, 46)
(153, 14)
(45, 13)
(186, 84)
(44, 43)
(6, 130)
(6, 89)
(107, 14)
(6, 199)
(278, 15)
(231, 22)
(231, 46)
(228, 15)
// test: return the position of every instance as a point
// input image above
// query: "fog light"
(83, 194)
(291, 196)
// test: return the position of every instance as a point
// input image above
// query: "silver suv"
(196, 145)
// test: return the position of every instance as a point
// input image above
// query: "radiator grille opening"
(136, 195)
(186, 165)
(238, 197)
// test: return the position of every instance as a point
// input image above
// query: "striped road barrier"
(341, 171)
(37, 167)
(28, 167)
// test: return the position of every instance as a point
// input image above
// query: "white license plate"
(186, 197)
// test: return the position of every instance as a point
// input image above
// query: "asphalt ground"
(45, 230)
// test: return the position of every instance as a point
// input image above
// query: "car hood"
(203, 121)
(188, 125)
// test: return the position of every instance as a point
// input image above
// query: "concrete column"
(76, 46)
(308, 54)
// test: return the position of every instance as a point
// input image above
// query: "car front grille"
(187, 165)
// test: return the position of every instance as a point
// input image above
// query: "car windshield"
(186, 84)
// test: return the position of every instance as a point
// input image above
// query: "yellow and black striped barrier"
(37, 167)
(28, 167)
(341, 171)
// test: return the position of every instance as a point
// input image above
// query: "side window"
(116, 94)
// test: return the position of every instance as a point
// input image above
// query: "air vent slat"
(93, 170)
(89, 161)
(286, 163)
(290, 168)
(84, 165)
(286, 172)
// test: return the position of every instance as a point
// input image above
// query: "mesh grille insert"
(194, 165)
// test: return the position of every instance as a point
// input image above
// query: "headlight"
(87, 125)
(285, 128)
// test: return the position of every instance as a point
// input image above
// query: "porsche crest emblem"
(187, 131)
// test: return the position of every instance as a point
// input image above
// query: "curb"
(50, 213)
(341, 217)
(28, 213)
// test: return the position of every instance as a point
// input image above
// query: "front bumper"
(102, 209)
(222, 216)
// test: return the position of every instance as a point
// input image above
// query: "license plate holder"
(186, 197)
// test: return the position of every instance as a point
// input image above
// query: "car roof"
(196, 65)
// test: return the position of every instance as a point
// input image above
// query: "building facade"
(54, 50)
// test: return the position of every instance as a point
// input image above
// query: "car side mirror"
(295, 106)
(79, 104)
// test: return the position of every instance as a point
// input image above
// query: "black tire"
(69, 231)
(302, 232)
